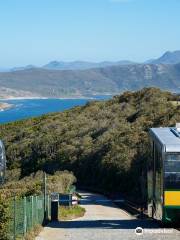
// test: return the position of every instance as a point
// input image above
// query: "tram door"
(155, 183)
(150, 182)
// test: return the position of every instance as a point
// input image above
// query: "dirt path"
(104, 221)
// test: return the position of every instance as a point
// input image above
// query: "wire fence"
(26, 213)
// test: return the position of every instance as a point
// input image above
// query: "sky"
(39, 31)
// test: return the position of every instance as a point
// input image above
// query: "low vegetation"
(30, 185)
(33, 233)
(104, 143)
(4, 217)
(69, 213)
(60, 181)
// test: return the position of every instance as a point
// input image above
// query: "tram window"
(172, 166)
(172, 171)
(173, 157)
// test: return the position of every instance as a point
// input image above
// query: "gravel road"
(104, 221)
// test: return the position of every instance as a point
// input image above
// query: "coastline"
(21, 98)
(93, 96)
(5, 106)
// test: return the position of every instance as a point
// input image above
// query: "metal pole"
(32, 211)
(44, 181)
(47, 206)
(36, 210)
(14, 217)
(25, 217)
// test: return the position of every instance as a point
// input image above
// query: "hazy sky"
(38, 31)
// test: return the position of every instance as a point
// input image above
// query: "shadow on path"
(105, 224)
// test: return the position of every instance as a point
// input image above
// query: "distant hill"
(6, 93)
(167, 58)
(22, 68)
(78, 83)
(74, 65)
(82, 65)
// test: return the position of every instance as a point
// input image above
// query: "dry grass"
(69, 213)
(33, 233)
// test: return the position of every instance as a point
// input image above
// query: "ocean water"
(26, 108)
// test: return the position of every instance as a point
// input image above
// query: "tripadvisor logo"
(139, 231)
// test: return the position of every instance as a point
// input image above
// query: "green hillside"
(104, 143)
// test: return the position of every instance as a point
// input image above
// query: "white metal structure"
(2, 163)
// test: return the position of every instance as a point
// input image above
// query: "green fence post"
(14, 218)
(45, 193)
(36, 209)
(32, 212)
(25, 216)
(28, 213)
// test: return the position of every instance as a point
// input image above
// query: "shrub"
(4, 217)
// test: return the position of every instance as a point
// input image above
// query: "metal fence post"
(36, 209)
(32, 212)
(44, 181)
(25, 216)
(48, 206)
(14, 230)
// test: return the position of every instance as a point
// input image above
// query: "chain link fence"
(26, 213)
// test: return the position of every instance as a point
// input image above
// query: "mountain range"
(78, 83)
(104, 79)
(74, 65)
(167, 58)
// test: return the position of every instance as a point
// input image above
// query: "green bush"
(4, 217)
(60, 182)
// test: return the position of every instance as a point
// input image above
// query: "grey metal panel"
(1, 144)
(2, 163)
(167, 138)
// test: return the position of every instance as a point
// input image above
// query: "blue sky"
(38, 31)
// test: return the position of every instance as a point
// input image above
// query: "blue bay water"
(26, 108)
